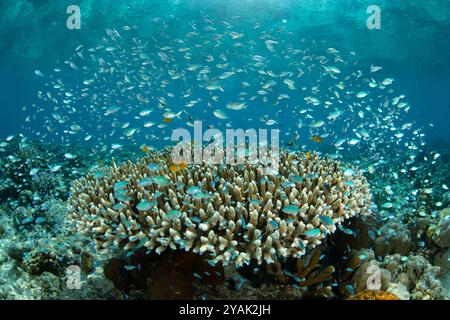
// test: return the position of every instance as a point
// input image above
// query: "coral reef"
(37, 246)
(232, 213)
(410, 277)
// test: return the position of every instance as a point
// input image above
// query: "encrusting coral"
(231, 213)
(374, 295)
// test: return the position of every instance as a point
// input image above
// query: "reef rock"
(441, 235)
(394, 238)
(399, 290)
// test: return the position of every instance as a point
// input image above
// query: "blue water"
(412, 45)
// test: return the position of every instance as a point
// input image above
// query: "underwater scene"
(224, 150)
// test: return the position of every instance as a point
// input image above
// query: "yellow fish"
(308, 155)
(145, 149)
(178, 167)
(316, 139)
(167, 120)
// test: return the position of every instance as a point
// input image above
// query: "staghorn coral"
(232, 213)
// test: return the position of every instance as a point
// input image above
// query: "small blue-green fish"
(296, 178)
(144, 205)
(153, 167)
(119, 206)
(157, 194)
(161, 181)
(212, 263)
(288, 273)
(288, 184)
(197, 275)
(313, 233)
(181, 243)
(274, 224)
(240, 283)
(27, 220)
(120, 185)
(362, 256)
(34, 171)
(291, 209)
(372, 235)
(125, 222)
(40, 220)
(142, 243)
(193, 190)
(244, 224)
(200, 195)
(301, 245)
(173, 214)
(180, 186)
(350, 289)
(348, 231)
(99, 175)
(145, 182)
(130, 268)
(326, 220)
(122, 197)
(196, 219)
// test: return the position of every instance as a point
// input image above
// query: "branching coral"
(232, 213)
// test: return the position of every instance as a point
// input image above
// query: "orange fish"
(167, 120)
(316, 139)
(145, 149)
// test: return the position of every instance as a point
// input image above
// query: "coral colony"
(232, 214)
